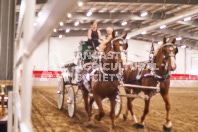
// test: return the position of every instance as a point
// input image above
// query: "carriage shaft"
(146, 97)
(138, 86)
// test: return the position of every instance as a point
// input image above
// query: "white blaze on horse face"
(123, 56)
(173, 64)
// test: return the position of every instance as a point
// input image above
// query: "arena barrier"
(52, 12)
(49, 78)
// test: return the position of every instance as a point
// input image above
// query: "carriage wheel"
(61, 92)
(71, 102)
(118, 106)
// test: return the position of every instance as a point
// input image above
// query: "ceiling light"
(144, 14)
(67, 30)
(160, 42)
(163, 26)
(35, 24)
(60, 36)
(80, 3)
(183, 46)
(76, 23)
(55, 30)
(144, 32)
(187, 19)
(39, 14)
(124, 23)
(89, 13)
(69, 15)
(179, 38)
(61, 23)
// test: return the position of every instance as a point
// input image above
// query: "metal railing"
(52, 13)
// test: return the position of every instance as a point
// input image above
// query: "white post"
(9, 125)
(26, 90)
(15, 85)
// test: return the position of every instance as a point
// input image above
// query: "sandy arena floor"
(46, 117)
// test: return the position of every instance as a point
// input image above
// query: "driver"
(94, 34)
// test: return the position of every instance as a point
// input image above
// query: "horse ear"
(164, 40)
(124, 36)
(173, 41)
(113, 34)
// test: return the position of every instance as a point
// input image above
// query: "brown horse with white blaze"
(164, 59)
(107, 86)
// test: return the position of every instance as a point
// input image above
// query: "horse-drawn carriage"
(68, 82)
(149, 80)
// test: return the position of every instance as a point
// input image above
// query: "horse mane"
(157, 50)
(103, 45)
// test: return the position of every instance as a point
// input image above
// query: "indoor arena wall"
(54, 52)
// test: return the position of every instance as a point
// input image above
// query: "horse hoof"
(138, 125)
(90, 123)
(124, 117)
(113, 130)
(97, 117)
(167, 129)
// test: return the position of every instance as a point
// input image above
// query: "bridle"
(171, 49)
(166, 76)
(121, 43)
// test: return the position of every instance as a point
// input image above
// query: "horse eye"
(121, 42)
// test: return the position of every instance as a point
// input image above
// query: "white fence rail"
(52, 13)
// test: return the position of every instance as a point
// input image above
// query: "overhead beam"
(82, 33)
(115, 26)
(131, 26)
(122, 16)
(189, 23)
(191, 2)
(156, 38)
(147, 37)
(164, 22)
(178, 33)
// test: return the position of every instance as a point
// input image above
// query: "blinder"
(121, 41)
(171, 49)
(176, 50)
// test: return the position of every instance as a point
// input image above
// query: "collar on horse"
(116, 75)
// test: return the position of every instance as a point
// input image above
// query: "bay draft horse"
(105, 88)
(164, 58)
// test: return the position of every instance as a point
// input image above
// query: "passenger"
(94, 34)
(109, 31)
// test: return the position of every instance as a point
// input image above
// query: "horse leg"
(90, 104)
(85, 97)
(164, 93)
(130, 107)
(100, 108)
(112, 115)
(146, 111)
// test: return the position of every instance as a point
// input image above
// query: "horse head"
(119, 45)
(169, 51)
